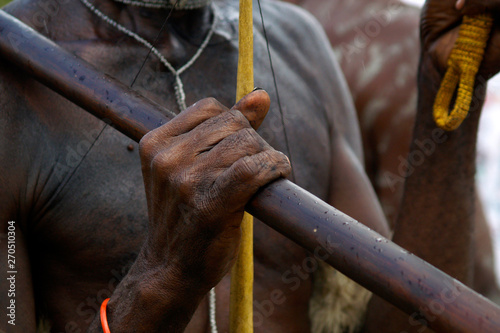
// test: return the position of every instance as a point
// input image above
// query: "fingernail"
(459, 4)
(257, 88)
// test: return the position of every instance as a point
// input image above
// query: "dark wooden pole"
(416, 287)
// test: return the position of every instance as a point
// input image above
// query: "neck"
(189, 25)
(178, 4)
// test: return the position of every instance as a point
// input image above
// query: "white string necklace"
(180, 97)
(211, 310)
(178, 86)
(179, 4)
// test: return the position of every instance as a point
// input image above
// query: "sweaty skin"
(90, 225)
(382, 36)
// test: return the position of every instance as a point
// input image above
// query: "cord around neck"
(178, 84)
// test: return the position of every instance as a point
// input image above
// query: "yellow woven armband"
(463, 64)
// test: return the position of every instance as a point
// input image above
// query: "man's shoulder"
(283, 21)
(285, 12)
(28, 11)
(48, 17)
(296, 38)
(300, 43)
(288, 21)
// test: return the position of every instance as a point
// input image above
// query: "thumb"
(254, 106)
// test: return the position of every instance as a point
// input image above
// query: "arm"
(351, 191)
(17, 292)
(436, 216)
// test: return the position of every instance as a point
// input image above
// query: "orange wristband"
(104, 318)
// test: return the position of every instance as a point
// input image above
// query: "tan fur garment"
(338, 304)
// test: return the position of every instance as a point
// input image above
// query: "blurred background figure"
(377, 46)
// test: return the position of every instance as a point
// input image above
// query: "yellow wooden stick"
(463, 64)
(241, 301)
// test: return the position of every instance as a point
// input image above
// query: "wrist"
(168, 276)
(153, 298)
(183, 272)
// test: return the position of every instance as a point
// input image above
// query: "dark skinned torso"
(84, 219)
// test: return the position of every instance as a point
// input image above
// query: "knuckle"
(264, 166)
(230, 121)
(246, 167)
(207, 102)
(209, 105)
(251, 138)
(237, 118)
(147, 145)
(266, 158)
(162, 164)
(284, 162)
(247, 134)
(272, 156)
(277, 156)
(278, 162)
(154, 141)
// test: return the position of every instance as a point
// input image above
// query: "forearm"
(151, 299)
(436, 216)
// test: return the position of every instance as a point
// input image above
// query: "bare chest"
(95, 217)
